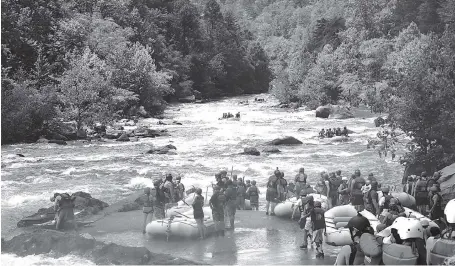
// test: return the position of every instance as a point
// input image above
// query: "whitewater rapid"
(205, 145)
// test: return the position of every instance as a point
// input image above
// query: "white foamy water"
(32, 260)
(205, 145)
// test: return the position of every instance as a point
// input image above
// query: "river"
(111, 170)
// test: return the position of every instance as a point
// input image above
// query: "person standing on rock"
(64, 208)
(253, 194)
(231, 206)
(198, 212)
(217, 204)
(147, 209)
(272, 193)
(300, 181)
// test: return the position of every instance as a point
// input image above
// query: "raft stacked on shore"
(286, 208)
(336, 220)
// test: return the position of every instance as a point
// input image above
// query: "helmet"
(359, 222)
(344, 178)
(277, 172)
(386, 190)
(199, 191)
(301, 170)
(449, 211)
(216, 187)
(147, 190)
(317, 204)
(338, 172)
(424, 223)
(408, 228)
(393, 201)
(303, 192)
(223, 173)
(168, 176)
(357, 172)
(253, 182)
(178, 178)
(424, 174)
(157, 183)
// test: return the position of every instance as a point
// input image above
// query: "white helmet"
(449, 211)
(344, 178)
(408, 228)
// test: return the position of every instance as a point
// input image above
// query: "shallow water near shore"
(111, 171)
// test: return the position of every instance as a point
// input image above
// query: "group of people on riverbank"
(330, 133)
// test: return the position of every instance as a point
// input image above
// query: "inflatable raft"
(336, 220)
(181, 226)
(409, 212)
(286, 208)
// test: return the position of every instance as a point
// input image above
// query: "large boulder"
(42, 140)
(84, 202)
(340, 112)
(251, 151)
(271, 150)
(59, 142)
(124, 137)
(286, 141)
(56, 136)
(62, 244)
(323, 111)
(188, 99)
(447, 183)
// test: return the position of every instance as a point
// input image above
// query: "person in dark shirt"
(217, 202)
(231, 206)
(318, 220)
(199, 212)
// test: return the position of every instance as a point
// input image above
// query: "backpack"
(253, 191)
(272, 183)
(421, 186)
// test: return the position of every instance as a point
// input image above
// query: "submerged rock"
(271, 150)
(59, 142)
(379, 121)
(251, 151)
(60, 244)
(123, 137)
(286, 141)
(83, 203)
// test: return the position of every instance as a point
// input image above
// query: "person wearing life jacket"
(357, 195)
(344, 132)
(234, 181)
(371, 199)
(433, 180)
(271, 195)
(405, 245)
(436, 211)
(290, 191)
(247, 183)
(343, 191)
(159, 200)
(168, 188)
(371, 177)
(409, 185)
(322, 133)
(64, 208)
(353, 254)
(433, 237)
(421, 194)
(282, 187)
(217, 204)
(389, 216)
(179, 189)
(443, 248)
(304, 206)
(334, 184)
(253, 194)
(198, 212)
(147, 209)
(384, 200)
(231, 206)
(241, 191)
(319, 228)
(300, 181)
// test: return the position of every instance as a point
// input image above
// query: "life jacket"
(65, 201)
(357, 197)
(369, 201)
(356, 254)
(272, 182)
(160, 196)
(387, 201)
(241, 191)
(421, 189)
(253, 191)
(439, 201)
(396, 254)
(334, 183)
(442, 250)
(300, 178)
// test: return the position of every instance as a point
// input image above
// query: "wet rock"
(81, 134)
(176, 123)
(61, 244)
(124, 137)
(113, 133)
(42, 140)
(168, 149)
(447, 183)
(286, 141)
(20, 155)
(161, 123)
(302, 129)
(84, 202)
(251, 151)
(188, 99)
(56, 136)
(59, 142)
(342, 115)
(323, 111)
(271, 150)
(144, 132)
(379, 121)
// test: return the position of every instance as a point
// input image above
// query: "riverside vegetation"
(87, 60)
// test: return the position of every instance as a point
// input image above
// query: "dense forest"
(92, 60)
(396, 56)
